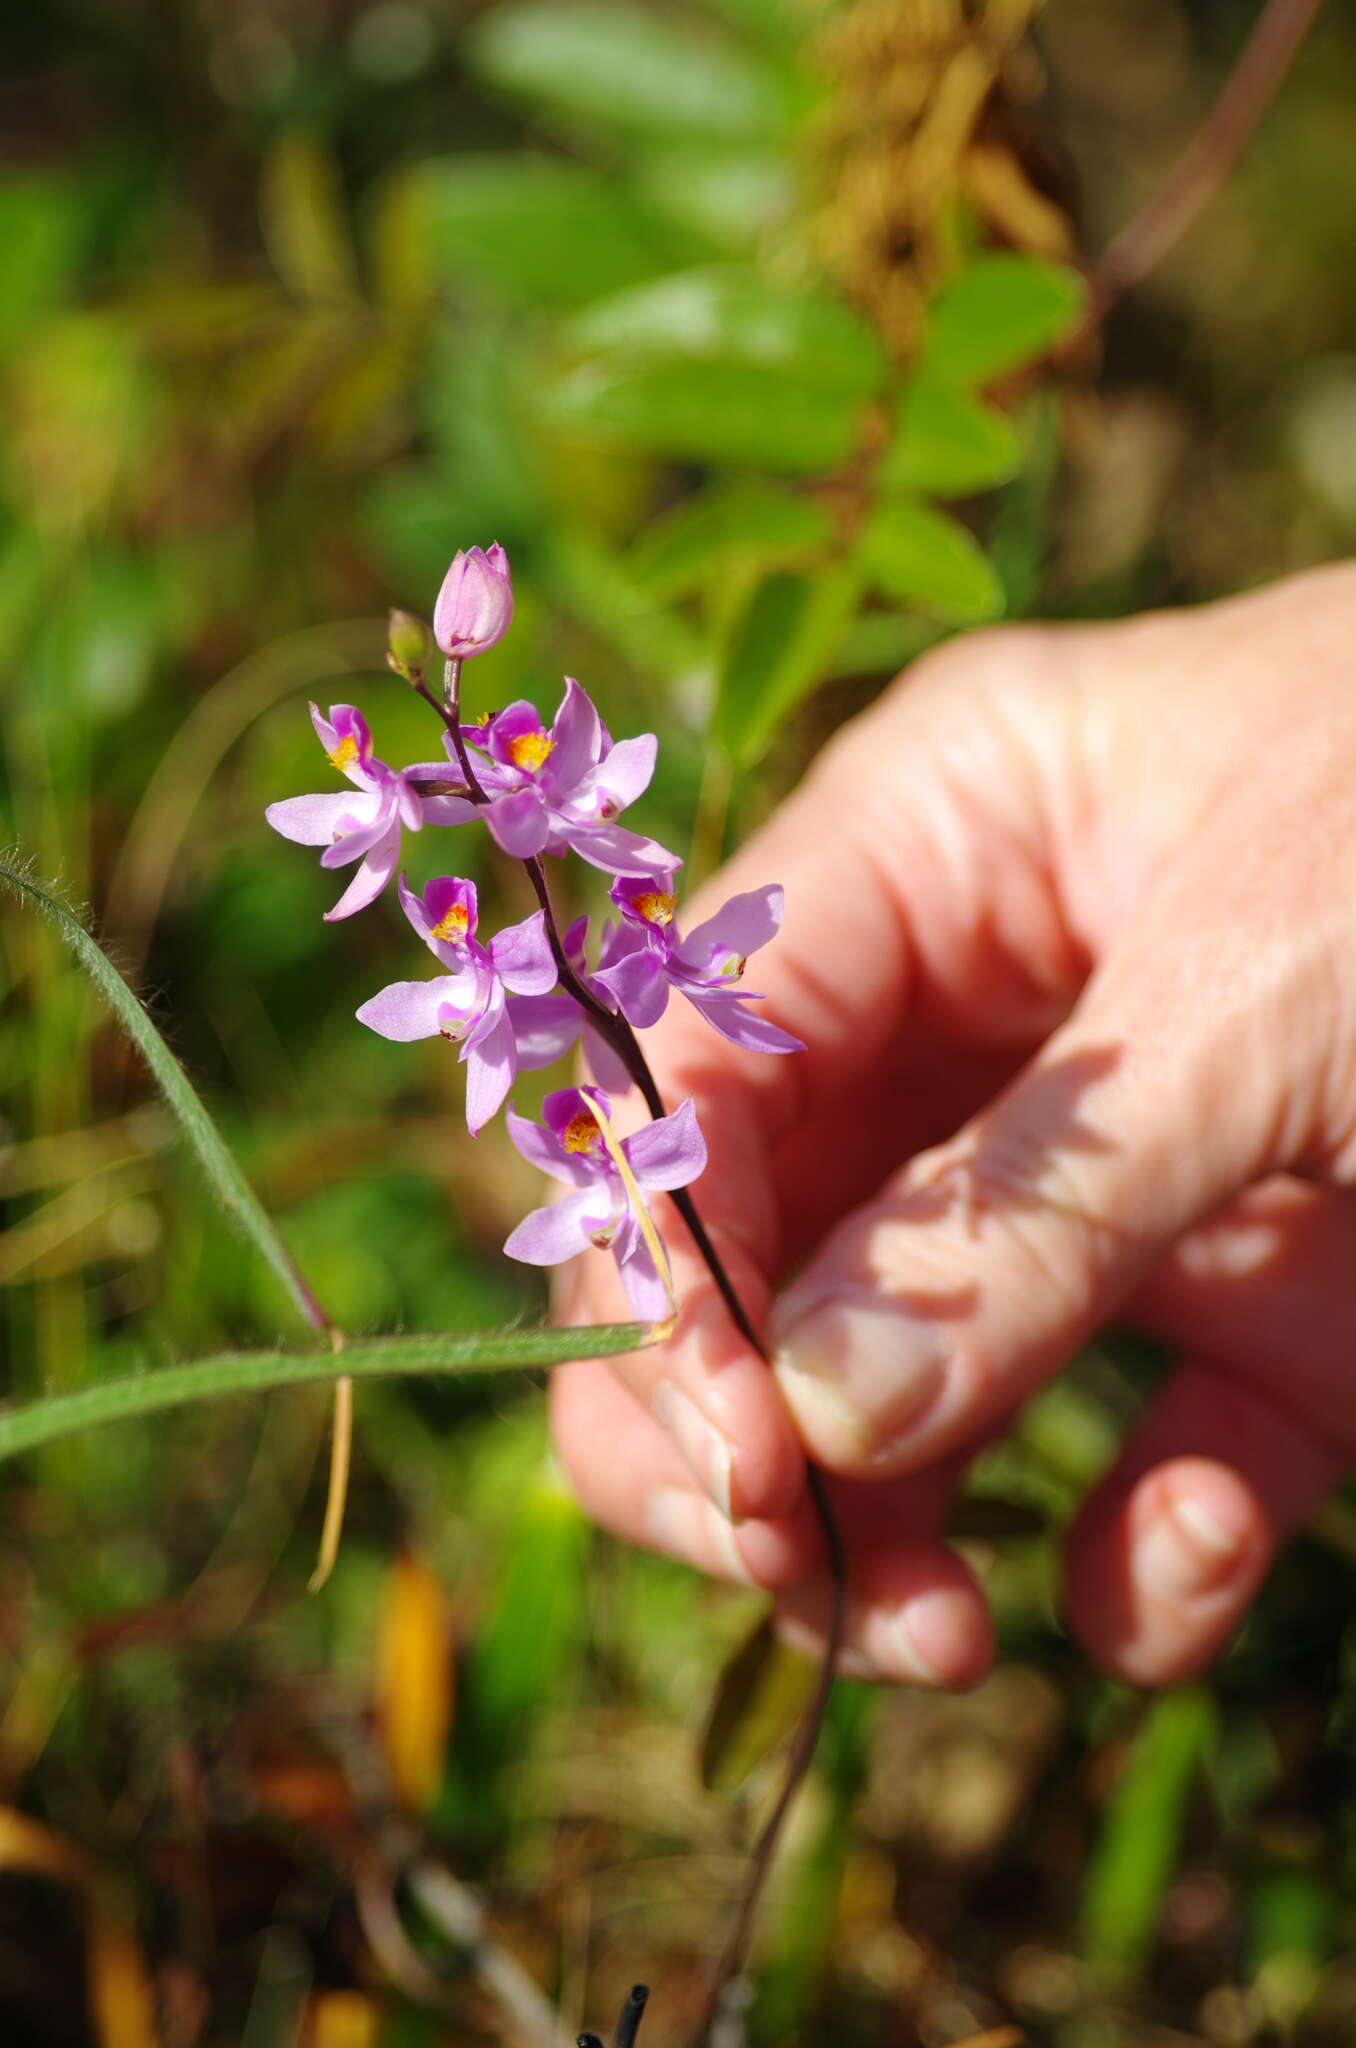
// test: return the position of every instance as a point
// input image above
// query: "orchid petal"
(669, 1152)
(637, 985)
(740, 926)
(371, 878)
(491, 1066)
(449, 810)
(406, 1010)
(578, 735)
(518, 823)
(627, 771)
(604, 1064)
(540, 1148)
(613, 849)
(545, 1028)
(645, 1291)
(727, 1015)
(560, 1230)
(522, 957)
(310, 820)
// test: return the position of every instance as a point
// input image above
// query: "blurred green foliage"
(707, 314)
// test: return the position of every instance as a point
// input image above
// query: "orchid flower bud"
(475, 605)
(407, 645)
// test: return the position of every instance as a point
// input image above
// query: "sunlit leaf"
(728, 196)
(618, 67)
(413, 1686)
(947, 442)
(1137, 1849)
(303, 219)
(732, 315)
(1003, 310)
(921, 556)
(712, 412)
(546, 233)
(780, 649)
(759, 1700)
(743, 520)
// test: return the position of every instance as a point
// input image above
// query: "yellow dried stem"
(654, 1242)
(341, 1459)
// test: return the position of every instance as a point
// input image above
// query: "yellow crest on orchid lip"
(345, 754)
(655, 906)
(527, 750)
(454, 924)
(581, 1133)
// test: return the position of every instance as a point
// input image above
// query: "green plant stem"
(256, 1372)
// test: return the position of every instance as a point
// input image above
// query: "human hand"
(1071, 938)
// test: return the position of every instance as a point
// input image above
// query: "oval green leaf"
(544, 232)
(617, 67)
(920, 556)
(781, 648)
(740, 521)
(731, 315)
(722, 413)
(1002, 311)
(947, 442)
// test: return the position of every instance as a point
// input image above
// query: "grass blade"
(256, 1372)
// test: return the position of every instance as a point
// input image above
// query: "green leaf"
(947, 442)
(781, 648)
(544, 232)
(922, 557)
(1002, 311)
(736, 522)
(731, 315)
(217, 1162)
(257, 1372)
(759, 1701)
(721, 413)
(1137, 1850)
(727, 196)
(618, 68)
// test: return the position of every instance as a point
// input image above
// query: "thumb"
(979, 1269)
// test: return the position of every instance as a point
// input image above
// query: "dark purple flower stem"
(618, 1033)
(628, 2026)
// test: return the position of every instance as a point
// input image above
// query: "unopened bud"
(475, 605)
(408, 644)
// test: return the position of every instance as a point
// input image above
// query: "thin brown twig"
(1208, 158)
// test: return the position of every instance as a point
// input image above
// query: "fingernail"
(685, 1526)
(1185, 1551)
(859, 1377)
(908, 1658)
(705, 1449)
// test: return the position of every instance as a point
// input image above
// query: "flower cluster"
(524, 997)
